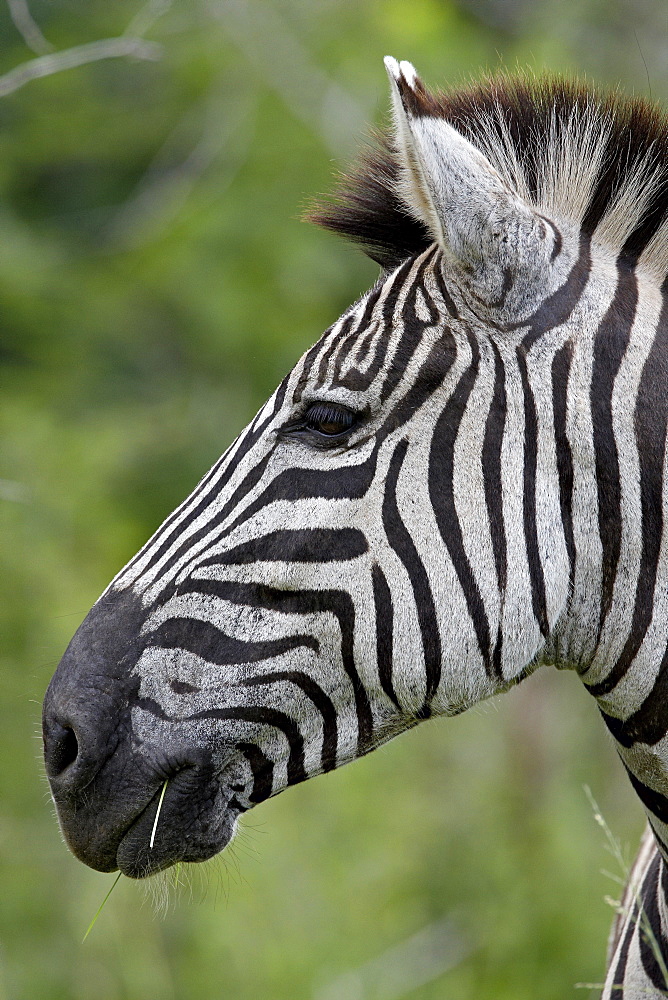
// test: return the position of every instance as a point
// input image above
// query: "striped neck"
(616, 425)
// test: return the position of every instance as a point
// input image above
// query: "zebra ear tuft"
(448, 184)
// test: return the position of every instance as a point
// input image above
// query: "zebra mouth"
(189, 822)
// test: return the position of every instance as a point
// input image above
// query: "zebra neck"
(626, 661)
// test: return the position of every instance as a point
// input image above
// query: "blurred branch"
(26, 27)
(130, 43)
(79, 55)
(146, 17)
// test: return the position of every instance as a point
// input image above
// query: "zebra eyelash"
(317, 421)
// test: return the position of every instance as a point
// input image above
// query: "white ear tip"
(392, 67)
(397, 70)
(408, 72)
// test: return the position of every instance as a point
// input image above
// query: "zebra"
(461, 481)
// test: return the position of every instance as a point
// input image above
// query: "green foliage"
(155, 285)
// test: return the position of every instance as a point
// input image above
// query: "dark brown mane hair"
(526, 119)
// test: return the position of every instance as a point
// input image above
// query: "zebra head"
(391, 538)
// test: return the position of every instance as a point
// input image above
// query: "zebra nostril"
(61, 749)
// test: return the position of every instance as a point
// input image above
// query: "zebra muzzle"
(190, 819)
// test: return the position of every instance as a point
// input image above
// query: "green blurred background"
(155, 285)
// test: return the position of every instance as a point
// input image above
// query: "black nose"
(88, 700)
(61, 747)
(77, 744)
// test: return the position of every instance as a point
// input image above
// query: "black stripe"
(441, 492)
(651, 424)
(654, 801)
(299, 545)
(561, 366)
(325, 353)
(333, 347)
(353, 338)
(649, 894)
(617, 991)
(365, 343)
(262, 769)
(349, 482)
(337, 602)
(660, 842)
(248, 438)
(491, 464)
(310, 358)
(558, 307)
(248, 483)
(413, 328)
(558, 239)
(400, 540)
(317, 696)
(373, 328)
(429, 379)
(370, 305)
(215, 646)
(648, 724)
(506, 285)
(356, 380)
(445, 294)
(382, 599)
(257, 714)
(553, 312)
(292, 484)
(263, 716)
(610, 345)
(538, 599)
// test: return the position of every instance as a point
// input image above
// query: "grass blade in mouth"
(152, 841)
(157, 816)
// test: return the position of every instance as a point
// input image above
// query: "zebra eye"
(329, 419)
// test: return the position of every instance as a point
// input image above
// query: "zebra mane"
(576, 153)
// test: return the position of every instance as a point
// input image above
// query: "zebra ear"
(450, 186)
